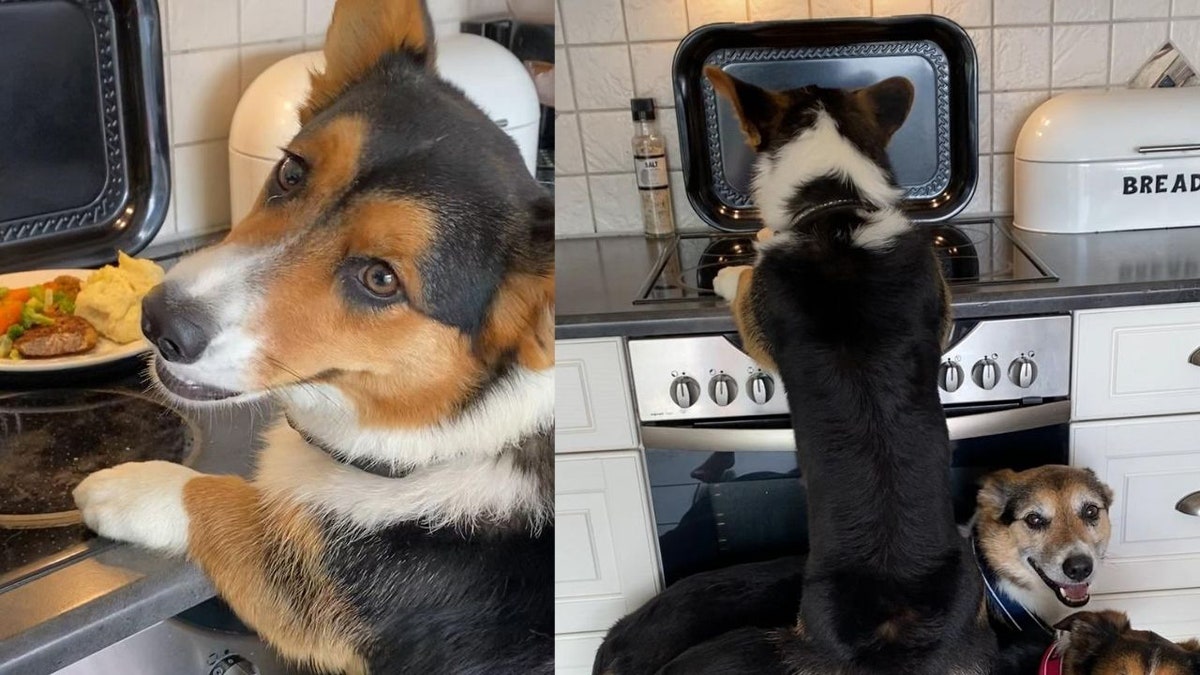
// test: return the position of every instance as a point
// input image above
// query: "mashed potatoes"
(111, 299)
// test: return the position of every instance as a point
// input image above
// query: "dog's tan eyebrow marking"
(333, 152)
(398, 230)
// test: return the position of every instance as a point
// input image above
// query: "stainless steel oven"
(720, 453)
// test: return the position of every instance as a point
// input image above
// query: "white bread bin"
(1101, 161)
(266, 116)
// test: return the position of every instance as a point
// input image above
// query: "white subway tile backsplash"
(591, 21)
(1002, 168)
(257, 58)
(564, 88)
(981, 201)
(686, 217)
(1022, 58)
(202, 187)
(607, 141)
(264, 20)
(197, 24)
(559, 38)
(1080, 55)
(572, 206)
(900, 7)
(968, 13)
(1185, 8)
(1132, 44)
(982, 39)
(602, 77)
(1066, 11)
(652, 71)
(1009, 112)
(205, 92)
(984, 118)
(1018, 12)
(826, 9)
(568, 149)
(656, 19)
(778, 10)
(702, 12)
(1185, 35)
(615, 203)
(317, 14)
(1141, 9)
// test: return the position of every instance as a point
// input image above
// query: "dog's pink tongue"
(1074, 592)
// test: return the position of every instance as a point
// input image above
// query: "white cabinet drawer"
(1150, 465)
(1134, 362)
(605, 560)
(575, 653)
(1174, 614)
(593, 407)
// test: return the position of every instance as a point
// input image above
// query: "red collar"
(1051, 662)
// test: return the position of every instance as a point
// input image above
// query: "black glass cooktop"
(979, 252)
(49, 441)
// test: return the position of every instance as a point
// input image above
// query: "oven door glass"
(726, 493)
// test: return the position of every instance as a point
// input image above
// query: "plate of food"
(63, 319)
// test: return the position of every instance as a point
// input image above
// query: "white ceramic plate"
(105, 350)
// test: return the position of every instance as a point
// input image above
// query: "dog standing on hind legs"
(392, 291)
(846, 302)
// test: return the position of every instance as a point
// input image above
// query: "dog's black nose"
(178, 326)
(1077, 567)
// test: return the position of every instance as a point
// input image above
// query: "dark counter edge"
(714, 316)
(166, 587)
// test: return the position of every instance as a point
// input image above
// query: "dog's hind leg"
(746, 650)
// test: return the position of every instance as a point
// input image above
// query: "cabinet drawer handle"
(1190, 504)
(1194, 359)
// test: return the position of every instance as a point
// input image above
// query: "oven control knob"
(1022, 371)
(950, 376)
(986, 373)
(722, 389)
(233, 665)
(684, 391)
(760, 388)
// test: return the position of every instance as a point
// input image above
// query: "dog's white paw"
(726, 283)
(138, 502)
(764, 234)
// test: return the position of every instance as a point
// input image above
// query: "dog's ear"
(520, 322)
(1105, 492)
(889, 100)
(993, 496)
(1088, 633)
(361, 34)
(756, 107)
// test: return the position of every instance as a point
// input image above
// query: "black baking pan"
(83, 133)
(934, 155)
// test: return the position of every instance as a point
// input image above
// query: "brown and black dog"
(847, 302)
(1103, 643)
(392, 293)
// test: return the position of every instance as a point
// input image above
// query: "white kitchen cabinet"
(605, 561)
(593, 406)
(1150, 464)
(1172, 614)
(1132, 362)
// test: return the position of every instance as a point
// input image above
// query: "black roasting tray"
(934, 155)
(83, 133)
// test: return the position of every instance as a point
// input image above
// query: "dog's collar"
(824, 208)
(1002, 606)
(376, 468)
(1051, 662)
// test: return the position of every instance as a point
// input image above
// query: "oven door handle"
(782, 440)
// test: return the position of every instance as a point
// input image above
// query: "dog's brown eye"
(1035, 521)
(290, 173)
(380, 279)
(1091, 512)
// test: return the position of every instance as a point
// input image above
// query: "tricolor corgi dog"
(392, 293)
(847, 303)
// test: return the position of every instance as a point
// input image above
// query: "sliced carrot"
(10, 313)
(18, 294)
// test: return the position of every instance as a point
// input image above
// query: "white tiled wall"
(213, 50)
(611, 50)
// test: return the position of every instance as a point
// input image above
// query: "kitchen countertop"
(598, 278)
(89, 603)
